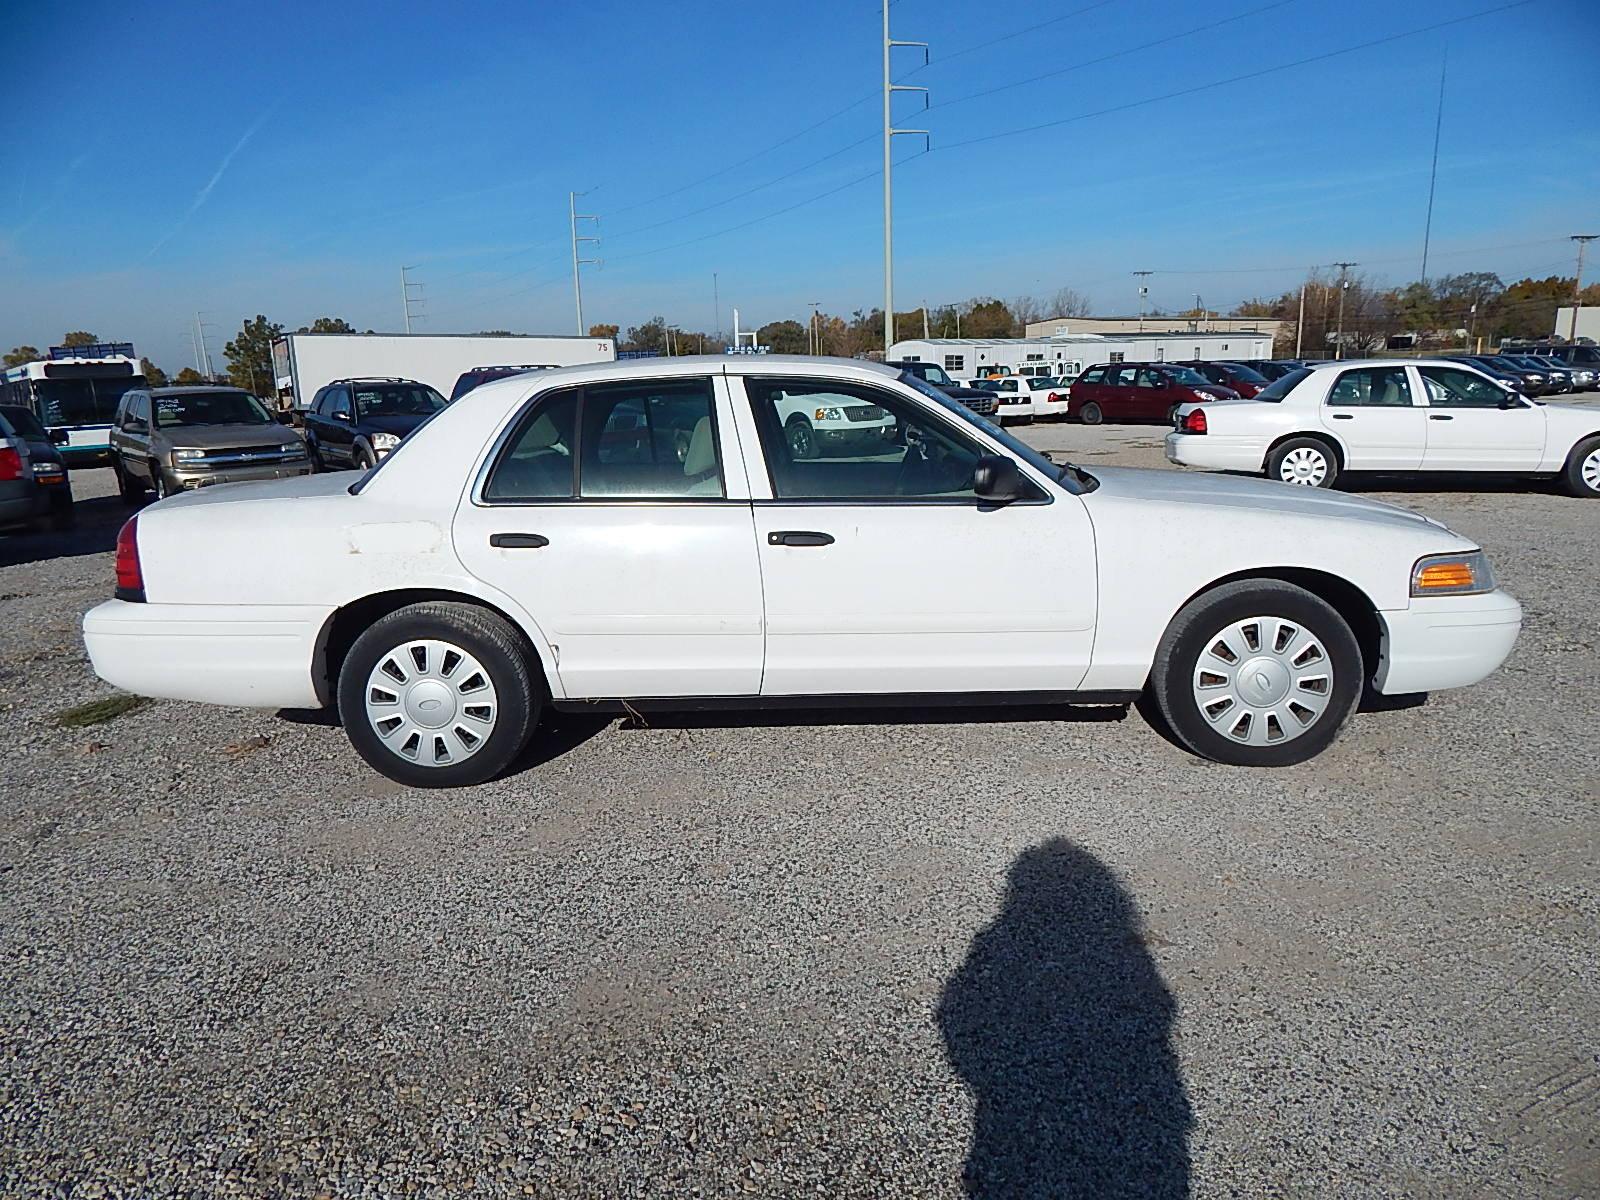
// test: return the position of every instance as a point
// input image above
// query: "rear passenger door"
(1375, 414)
(619, 518)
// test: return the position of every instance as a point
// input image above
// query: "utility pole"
(815, 330)
(716, 303)
(1344, 285)
(1300, 325)
(577, 286)
(1433, 171)
(205, 368)
(1583, 240)
(889, 133)
(406, 299)
(1198, 313)
(1144, 294)
(194, 338)
(924, 320)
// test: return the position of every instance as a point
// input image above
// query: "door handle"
(798, 537)
(1344, 416)
(518, 541)
(1440, 417)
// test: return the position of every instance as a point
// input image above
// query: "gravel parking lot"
(1039, 953)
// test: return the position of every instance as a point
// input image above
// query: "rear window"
(1283, 385)
(397, 400)
(24, 422)
(1248, 374)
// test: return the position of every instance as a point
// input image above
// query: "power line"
(1273, 70)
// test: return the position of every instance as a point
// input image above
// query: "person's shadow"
(1060, 1025)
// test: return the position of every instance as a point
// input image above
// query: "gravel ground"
(1038, 954)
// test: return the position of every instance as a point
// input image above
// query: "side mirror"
(997, 480)
(138, 425)
(1511, 400)
(59, 437)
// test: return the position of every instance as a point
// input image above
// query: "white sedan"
(649, 533)
(1403, 415)
(1028, 398)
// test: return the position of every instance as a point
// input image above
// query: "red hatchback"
(1139, 392)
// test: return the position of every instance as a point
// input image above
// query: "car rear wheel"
(129, 488)
(1306, 462)
(1257, 673)
(439, 695)
(1090, 414)
(1582, 473)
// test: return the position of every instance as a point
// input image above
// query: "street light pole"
(1583, 240)
(889, 133)
(1300, 325)
(1144, 294)
(1344, 284)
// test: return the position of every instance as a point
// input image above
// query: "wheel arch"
(1344, 597)
(1317, 435)
(347, 622)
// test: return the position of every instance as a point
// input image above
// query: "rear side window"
(540, 461)
(1093, 375)
(1371, 387)
(1282, 385)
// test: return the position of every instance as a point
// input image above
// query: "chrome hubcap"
(431, 702)
(1591, 471)
(1263, 680)
(1304, 466)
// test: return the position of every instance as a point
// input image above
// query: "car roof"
(191, 389)
(700, 364)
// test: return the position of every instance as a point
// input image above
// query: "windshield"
(1187, 376)
(1248, 374)
(1020, 448)
(1282, 385)
(24, 422)
(397, 400)
(209, 408)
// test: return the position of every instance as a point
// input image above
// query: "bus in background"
(74, 393)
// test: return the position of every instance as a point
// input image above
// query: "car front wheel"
(129, 488)
(1582, 474)
(439, 695)
(1257, 673)
(1306, 462)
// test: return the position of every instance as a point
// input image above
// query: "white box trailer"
(974, 358)
(303, 363)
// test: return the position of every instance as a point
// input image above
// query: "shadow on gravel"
(1061, 1026)
(648, 718)
(95, 533)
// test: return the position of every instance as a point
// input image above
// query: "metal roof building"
(968, 358)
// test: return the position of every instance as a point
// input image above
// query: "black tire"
(1304, 450)
(1090, 414)
(316, 457)
(1578, 481)
(499, 648)
(802, 440)
(158, 482)
(364, 459)
(1172, 415)
(1197, 628)
(129, 488)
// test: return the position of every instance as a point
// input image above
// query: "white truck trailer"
(977, 358)
(305, 362)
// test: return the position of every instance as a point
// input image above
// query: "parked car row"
(1392, 415)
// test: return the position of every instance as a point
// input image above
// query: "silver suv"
(172, 439)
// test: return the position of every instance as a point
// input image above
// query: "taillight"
(130, 578)
(1195, 422)
(10, 464)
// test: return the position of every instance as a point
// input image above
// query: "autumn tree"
(79, 337)
(153, 375)
(22, 354)
(604, 331)
(188, 377)
(650, 335)
(328, 325)
(1067, 302)
(989, 319)
(784, 337)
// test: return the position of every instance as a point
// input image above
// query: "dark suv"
(979, 400)
(355, 422)
(478, 376)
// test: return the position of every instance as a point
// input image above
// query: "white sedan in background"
(621, 535)
(1401, 415)
(1028, 397)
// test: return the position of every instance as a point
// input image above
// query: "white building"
(971, 358)
(1153, 323)
(1588, 323)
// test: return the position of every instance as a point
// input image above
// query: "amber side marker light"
(1452, 574)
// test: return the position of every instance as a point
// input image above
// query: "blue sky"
(288, 160)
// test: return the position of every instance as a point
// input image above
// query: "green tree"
(651, 335)
(785, 337)
(188, 377)
(989, 319)
(249, 356)
(22, 354)
(328, 325)
(79, 337)
(603, 331)
(153, 375)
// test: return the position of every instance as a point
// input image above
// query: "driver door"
(883, 573)
(1476, 425)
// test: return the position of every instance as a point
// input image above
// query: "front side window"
(1452, 387)
(1371, 387)
(1122, 376)
(338, 403)
(830, 440)
(1148, 378)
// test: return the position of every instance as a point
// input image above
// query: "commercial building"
(1157, 323)
(971, 358)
